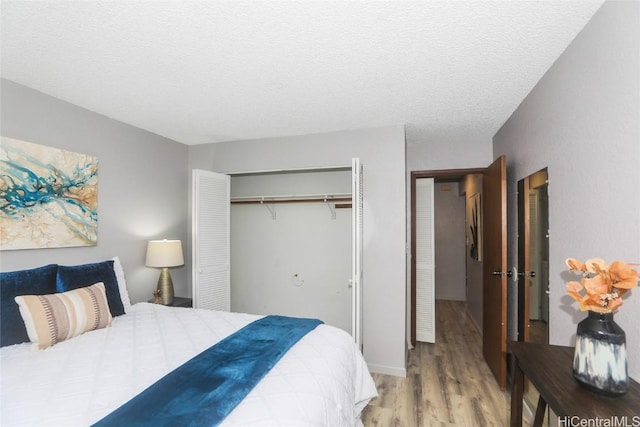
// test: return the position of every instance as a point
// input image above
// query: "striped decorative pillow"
(50, 319)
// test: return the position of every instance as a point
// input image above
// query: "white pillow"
(122, 284)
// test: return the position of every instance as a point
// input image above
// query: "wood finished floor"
(448, 383)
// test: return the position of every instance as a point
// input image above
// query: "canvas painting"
(48, 197)
(475, 228)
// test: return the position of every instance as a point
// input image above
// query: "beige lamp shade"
(164, 253)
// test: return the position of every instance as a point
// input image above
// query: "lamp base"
(165, 287)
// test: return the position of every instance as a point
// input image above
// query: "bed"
(321, 381)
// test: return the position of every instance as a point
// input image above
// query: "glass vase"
(600, 356)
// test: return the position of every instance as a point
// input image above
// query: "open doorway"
(490, 250)
(448, 194)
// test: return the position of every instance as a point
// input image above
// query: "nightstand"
(180, 302)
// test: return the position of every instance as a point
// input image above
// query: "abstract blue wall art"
(48, 197)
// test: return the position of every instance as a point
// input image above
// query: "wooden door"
(494, 271)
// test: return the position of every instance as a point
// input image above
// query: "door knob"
(527, 274)
(503, 273)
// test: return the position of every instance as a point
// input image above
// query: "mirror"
(533, 265)
(539, 263)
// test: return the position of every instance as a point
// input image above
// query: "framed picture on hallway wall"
(474, 220)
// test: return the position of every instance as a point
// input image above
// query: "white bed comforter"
(322, 381)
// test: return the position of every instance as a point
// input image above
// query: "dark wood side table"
(180, 302)
(550, 370)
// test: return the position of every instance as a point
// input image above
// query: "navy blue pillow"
(80, 276)
(36, 281)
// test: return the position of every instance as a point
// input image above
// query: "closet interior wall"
(292, 259)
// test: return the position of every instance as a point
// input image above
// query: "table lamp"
(164, 254)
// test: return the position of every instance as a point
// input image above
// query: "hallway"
(447, 383)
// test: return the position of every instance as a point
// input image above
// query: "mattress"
(322, 381)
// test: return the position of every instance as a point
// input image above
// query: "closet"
(280, 242)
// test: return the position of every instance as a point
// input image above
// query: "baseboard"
(387, 370)
(473, 322)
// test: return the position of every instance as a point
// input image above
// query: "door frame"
(530, 182)
(437, 175)
(523, 260)
(356, 281)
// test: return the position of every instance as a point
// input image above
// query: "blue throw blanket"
(204, 390)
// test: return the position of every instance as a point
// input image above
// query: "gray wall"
(448, 154)
(582, 121)
(382, 152)
(449, 221)
(142, 182)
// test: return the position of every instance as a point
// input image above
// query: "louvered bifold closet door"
(357, 199)
(211, 248)
(425, 262)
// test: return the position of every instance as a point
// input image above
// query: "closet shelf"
(333, 201)
(310, 198)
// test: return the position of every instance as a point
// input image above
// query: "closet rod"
(273, 201)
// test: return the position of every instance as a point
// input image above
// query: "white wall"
(582, 121)
(382, 152)
(298, 264)
(141, 188)
(449, 221)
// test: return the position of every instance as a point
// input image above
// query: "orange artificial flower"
(575, 265)
(622, 275)
(603, 284)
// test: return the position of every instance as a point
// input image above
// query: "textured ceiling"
(200, 72)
